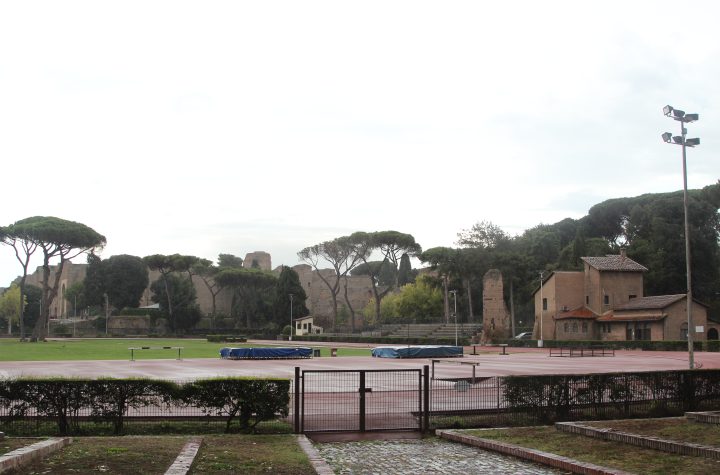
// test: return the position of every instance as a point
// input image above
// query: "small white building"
(305, 326)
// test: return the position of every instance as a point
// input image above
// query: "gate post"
(426, 400)
(296, 401)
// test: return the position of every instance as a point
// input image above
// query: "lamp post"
(542, 307)
(684, 118)
(291, 316)
(454, 294)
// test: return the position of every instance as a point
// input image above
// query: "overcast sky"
(228, 127)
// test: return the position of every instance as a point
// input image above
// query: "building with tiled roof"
(619, 263)
(605, 302)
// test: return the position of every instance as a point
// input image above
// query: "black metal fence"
(531, 400)
(405, 399)
(409, 399)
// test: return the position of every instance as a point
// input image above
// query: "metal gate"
(360, 400)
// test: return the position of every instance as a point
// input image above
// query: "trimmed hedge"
(662, 345)
(67, 400)
(385, 340)
(552, 398)
(141, 312)
(226, 338)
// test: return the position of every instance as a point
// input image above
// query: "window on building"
(606, 300)
(684, 331)
(544, 304)
(584, 327)
(565, 327)
(642, 331)
(587, 300)
(632, 296)
(637, 331)
(574, 327)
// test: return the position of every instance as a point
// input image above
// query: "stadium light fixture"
(683, 118)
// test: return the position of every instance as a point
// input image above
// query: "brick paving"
(427, 456)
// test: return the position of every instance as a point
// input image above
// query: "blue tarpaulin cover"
(418, 351)
(264, 353)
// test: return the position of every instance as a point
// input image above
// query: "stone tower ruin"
(496, 317)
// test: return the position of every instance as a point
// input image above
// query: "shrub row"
(384, 340)
(226, 338)
(551, 398)
(141, 312)
(108, 400)
(662, 345)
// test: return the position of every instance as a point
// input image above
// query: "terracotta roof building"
(605, 301)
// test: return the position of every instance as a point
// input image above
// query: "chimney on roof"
(623, 253)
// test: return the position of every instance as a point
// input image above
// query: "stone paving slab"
(30, 453)
(185, 459)
(426, 456)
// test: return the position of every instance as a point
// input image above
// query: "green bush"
(245, 398)
(153, 313)
(111, 398)
(251, 400)
(226, 338)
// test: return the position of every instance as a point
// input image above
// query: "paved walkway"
(411, 457)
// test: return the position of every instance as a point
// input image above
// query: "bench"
(579, 351)
(134, 348)
(468, 363)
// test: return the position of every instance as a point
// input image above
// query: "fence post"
(426, 399)
(296, 401)
(362, 401)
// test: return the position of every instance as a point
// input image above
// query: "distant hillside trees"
(649, 227)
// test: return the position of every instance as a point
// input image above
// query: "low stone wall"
(30, 453)
(711, 417)
(645, 441)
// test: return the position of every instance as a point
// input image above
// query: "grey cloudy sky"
(209, 127)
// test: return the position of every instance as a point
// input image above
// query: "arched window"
(584, 327)
(574, 327)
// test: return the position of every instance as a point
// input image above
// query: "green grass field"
(117, 349)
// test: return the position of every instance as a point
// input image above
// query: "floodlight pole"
(691, 349)
(540, 340)
(683, 118)
(291, 316)
(454, 294)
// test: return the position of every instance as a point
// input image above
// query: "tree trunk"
(48, 296)
(350, 307)
(169, 299)
(22, 305)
